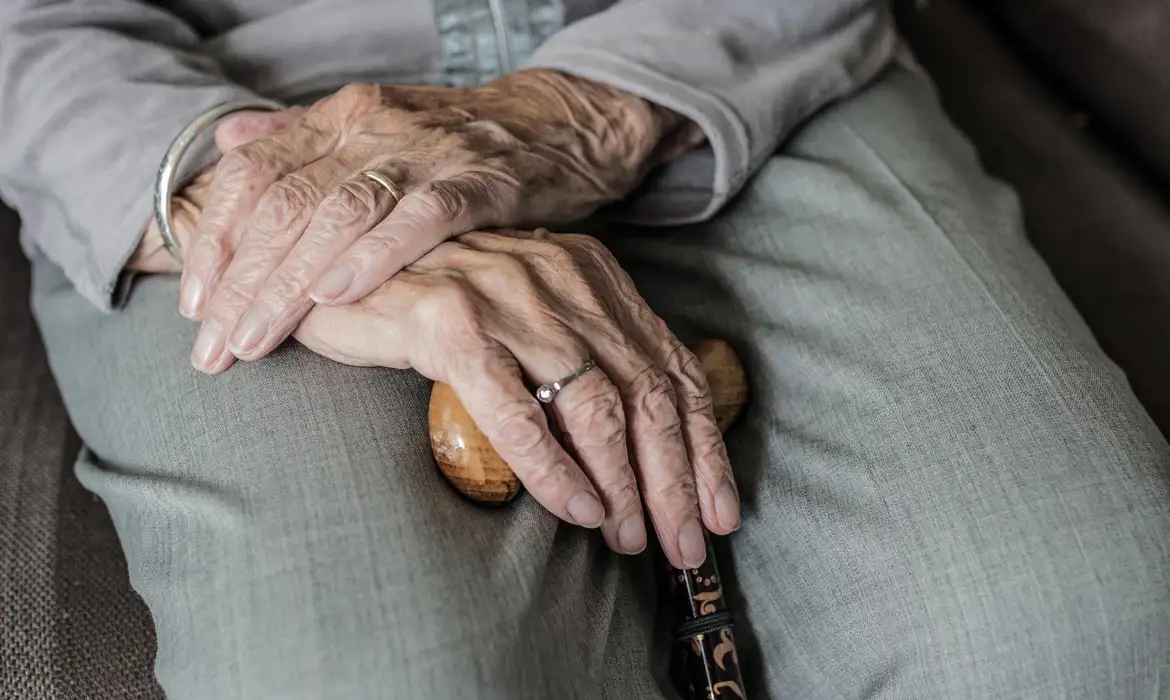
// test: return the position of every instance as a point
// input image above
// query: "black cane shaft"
(704, 663)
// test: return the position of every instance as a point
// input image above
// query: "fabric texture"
(103, 86)
(1099, 223)
(1113, 56)
(72, 629)
(950, 491)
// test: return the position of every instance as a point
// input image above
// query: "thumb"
(242, 127)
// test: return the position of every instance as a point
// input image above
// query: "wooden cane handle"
(473, 467)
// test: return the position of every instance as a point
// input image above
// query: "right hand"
(486, 311)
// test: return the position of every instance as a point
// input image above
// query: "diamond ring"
(545, 393)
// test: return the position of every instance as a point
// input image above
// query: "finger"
(349, 211)
(242, 177)
(494, 394)
(717, 491)
(656, 441)
(653, 423)
(281, 216)
(589, 409)
(423, 219)
(242, 127)
(718, 494)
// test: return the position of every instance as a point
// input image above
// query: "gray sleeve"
(746, 71)
(91, 94)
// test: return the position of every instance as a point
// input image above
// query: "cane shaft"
(705, 664)
(704, 661)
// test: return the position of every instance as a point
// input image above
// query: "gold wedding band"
(381, 179)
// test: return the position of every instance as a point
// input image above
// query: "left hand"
(151, 256)
(291, 221)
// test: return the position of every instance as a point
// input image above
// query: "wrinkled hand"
(290, 220)
(487, 310)
(187, 205)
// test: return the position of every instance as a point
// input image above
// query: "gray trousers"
(950, 491)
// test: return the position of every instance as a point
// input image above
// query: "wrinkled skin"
(484, 311)
(291, 221)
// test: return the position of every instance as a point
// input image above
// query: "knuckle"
(230, 299)
(593, 249)
(558, 255)
(621, 488)
(380, 246)
(494, 133)
(247, 162)
(521, 426)
(713, 451)
(454, 303)
(440, 201)
(549, 475)
(501, 271)
(627, 493)
(654, 398)
(290, 196)
(678, 491)
(602, 422)
(691, 386)
(352, 204)
(282, 290)
(555, 259)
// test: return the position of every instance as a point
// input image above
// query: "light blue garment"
(950, 492)
(93, 91)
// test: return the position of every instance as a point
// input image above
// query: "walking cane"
(704, 663)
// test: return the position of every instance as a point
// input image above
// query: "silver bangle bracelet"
(164, 183)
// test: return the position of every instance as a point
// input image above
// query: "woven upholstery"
(70, 627)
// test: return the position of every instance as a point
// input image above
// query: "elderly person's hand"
(187, 205)
(487, 310)
(291, 220)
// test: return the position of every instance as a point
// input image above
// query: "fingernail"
(191, 297)
(691, 545)
(333, 284)
(586, 510)
(631, 534)
(727, 506)
(250, 330)
(208, 346)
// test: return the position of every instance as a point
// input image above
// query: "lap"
(288, 529)
(949, 490)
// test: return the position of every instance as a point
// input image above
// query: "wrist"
(621, 134)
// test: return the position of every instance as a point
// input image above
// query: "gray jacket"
(93, 91)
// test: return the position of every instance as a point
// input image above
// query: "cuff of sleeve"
(102, 279)
(699, 183)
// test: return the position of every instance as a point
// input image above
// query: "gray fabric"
(70, 629)
(1101, 226)
(950, 491)
(102, 86)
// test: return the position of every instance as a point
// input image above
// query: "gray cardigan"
(92, 91)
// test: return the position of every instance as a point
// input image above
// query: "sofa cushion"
(70, 626)
(1113, 57)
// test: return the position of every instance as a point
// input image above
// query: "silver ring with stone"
(164, 181)
(545, 393)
